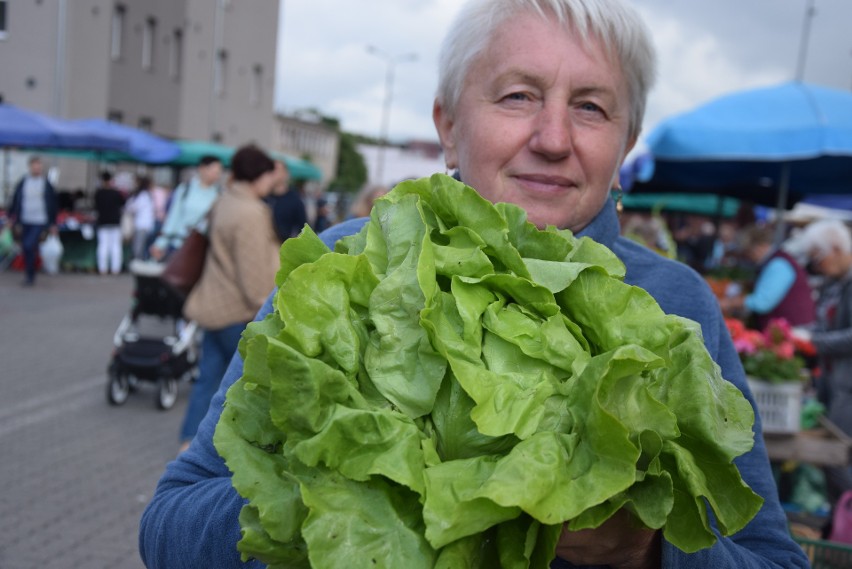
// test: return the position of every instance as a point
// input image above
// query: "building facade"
(304, 135)
(190, 69)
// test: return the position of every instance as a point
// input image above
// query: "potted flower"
(774, 363)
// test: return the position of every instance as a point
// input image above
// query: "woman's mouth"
(543, 183)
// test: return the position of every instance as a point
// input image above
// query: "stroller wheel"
(118, 388)
(167, 392)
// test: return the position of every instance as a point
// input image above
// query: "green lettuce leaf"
(450, 385)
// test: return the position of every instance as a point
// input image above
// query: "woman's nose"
(552, 135)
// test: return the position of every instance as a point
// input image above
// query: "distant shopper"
(781, 289)
(238, 274)
(190, 203)
(322, 221)
(109, 203)
(363, 204)
(32, 212)
(828, 244)
(161, 197)
(288, 209)
(141, 207)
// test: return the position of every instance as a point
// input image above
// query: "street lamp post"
(386, 107)
(810, 12)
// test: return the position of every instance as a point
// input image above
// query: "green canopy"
(191, 152)
(701, 204)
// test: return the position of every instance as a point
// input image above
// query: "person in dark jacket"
(288, 209)
(109, 204)
(828, 244)
(32, 212)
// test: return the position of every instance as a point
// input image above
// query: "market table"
(825, 445)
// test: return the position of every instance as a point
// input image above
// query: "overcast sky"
(705, 48)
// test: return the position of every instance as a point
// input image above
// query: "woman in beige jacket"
(238, 274)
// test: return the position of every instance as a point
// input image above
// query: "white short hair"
(617, 25)
(825, 235)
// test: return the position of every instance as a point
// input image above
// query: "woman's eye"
(587, 106)
(519, 96)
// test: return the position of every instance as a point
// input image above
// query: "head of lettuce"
(451, 384)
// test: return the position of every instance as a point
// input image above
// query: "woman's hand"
(618, 543)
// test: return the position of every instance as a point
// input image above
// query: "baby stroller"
(153, 342)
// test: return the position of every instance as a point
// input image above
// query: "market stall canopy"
(191, 151)
(22, 128)
(144, 147)
(709, 205)
(761, 145)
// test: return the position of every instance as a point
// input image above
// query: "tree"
(351, 168)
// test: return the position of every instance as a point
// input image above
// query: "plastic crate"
(826, 554)
(779, 405)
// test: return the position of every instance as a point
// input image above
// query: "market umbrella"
(709, 205)
(144, 147)
(191, 152)
(763, 145)
(22, 128)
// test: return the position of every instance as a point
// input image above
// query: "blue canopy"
(143, 146)
(760, 144)
(22, 128)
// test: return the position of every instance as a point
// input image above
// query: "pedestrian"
(160, 196)
(238, 274)
(109, 203)
(828, 244)
(32, 212)
(288, 209)
(538, 103)
(321, 219)
(363, 203)
(141, 207)
(781, 289)
(189, 205)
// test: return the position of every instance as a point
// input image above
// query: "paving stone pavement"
(75, 472)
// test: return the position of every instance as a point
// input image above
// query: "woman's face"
(263, 185)
(542, 122)
(831, 262)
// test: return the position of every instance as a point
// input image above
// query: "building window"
(149, 35)
(176, 54)
(146, 123)
(256, 85)
(115, 116)
(3, 27)
(220, 72)
(117, 32)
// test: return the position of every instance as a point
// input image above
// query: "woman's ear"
(444, 126)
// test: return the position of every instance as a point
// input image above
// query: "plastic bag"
(7, 241)
(51, 253)
(127, 225)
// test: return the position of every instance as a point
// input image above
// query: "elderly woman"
(538, 103)
(828, 244)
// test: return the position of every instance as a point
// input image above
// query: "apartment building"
(303, 134)
(192, 69)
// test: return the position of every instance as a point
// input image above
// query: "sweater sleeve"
(833, 343)
(765, 542)
(773, 284)
(192, 522)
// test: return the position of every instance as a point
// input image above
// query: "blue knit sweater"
(192, 520)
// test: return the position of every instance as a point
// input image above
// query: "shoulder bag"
(184, 266)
